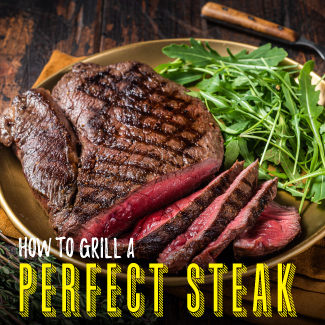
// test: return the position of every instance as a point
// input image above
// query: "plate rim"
(170, 280)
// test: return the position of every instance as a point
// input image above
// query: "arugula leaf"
(243, 150)
(198, 55)
(218, 102)
(241, 81)
(322, 129)
(195, 55)
(237, 127)
(292, 107)
(184, 77)
(317, 189)
(168, 66)
(291, 189)
(281, 157)
(232, 153)
(272, 57)
(309, 98)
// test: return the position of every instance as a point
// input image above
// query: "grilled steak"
(275, 228)
(210, 224)
(244, 220)
(154, 232)
(45, 144)
(145, 144)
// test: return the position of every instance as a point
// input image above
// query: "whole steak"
(145, 143)
(42, 139)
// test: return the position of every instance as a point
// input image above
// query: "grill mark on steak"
(154, 232)
(142, 108)
(210, 223)
(242, 222)
(108, 188)
(130, 164)
(137, 80)
(234, 201)
(96, 80)
(92, 199)
(177, 149)
(115, 110)
(117, 177)
(180, 128)
(161, 118)
(132, 103)
(164, 119)
(140, 125)
(162, 145)
(107, 85)
(141, 153)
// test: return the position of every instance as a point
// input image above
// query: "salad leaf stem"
(309, 175)
(271, 134)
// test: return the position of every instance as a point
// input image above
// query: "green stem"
(310, 175)
(305, 194)
(290, 190)
(271, 134)
(275, 145)
(203, 70)
(259, 122)
(284, 82)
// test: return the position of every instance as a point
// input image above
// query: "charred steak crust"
(210, 224)
(154, 232)
(134, 127)
(45, 144)
(150, 246)
(244, 221)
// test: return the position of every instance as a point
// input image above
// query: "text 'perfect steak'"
(145, 144)
(45, 144)
(213, 220)
(244, 220)
(154, 232)
(276, 227)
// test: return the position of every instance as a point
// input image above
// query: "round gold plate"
(23, 210)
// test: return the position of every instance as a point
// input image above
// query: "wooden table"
(30, 30)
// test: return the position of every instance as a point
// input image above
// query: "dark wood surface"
(30, 30)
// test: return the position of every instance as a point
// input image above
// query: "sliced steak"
(210, 224)
(45, 144)
(145, 143)
(154, 232)
(274, 229)
(244, 220)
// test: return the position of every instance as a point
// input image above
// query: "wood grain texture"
(30, 30)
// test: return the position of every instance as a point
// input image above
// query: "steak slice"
(244, 220)
(145, 144)
(154, 232)
(274, 229)
(42, 139)
(210, 224)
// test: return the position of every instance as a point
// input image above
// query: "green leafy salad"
(262, 111)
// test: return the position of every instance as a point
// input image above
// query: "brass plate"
(23, 210)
